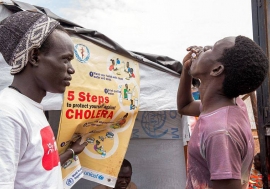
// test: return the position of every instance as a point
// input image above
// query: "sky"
(162, 27)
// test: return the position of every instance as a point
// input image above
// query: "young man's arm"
(76, 147)
(228, 183)
(186, 105)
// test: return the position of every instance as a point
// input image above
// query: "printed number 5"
(70, 95)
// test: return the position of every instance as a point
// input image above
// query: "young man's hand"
(185, 102)
(77, 146)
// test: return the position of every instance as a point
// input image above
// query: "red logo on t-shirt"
(50, 158)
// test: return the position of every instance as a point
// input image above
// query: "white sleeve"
(13, 143)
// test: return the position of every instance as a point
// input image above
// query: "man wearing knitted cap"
(221, 147)
(39, 51)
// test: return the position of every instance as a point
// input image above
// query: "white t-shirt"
(28, 152)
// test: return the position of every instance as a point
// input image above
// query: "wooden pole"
(253, 100)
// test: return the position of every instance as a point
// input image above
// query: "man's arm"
(186, 105)
(76, 147)
(228, 183)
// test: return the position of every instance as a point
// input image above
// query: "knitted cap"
(20, 33)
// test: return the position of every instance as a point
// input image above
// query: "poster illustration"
(101, 106)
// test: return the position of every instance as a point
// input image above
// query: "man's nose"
(71, 70)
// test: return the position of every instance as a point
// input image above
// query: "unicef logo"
(69, 181)
(93, 175)
(82, 53)
(100, 177)
(152, 123)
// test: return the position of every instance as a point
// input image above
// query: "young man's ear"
(33, 57)
(217, 70)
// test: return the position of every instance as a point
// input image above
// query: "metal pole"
(260, 36)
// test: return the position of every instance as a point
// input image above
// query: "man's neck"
(28, 87)
(212, 98)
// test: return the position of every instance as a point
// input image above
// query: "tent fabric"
(158, 125)
(163, 60)
(4, 12)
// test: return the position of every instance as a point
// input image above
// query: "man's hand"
(187, 60)
(193, 53)
(185, 102)
(76, 147)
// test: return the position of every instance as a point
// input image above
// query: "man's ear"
(217, 70)
(33, 57)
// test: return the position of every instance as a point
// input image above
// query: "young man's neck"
(212, 98)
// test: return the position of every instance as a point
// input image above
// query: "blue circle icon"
(82, 53)
(153, 122)
(100, 177)
(69, 182)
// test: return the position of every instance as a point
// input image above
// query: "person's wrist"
(185, 70)
(73, 153)
(186, 65)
